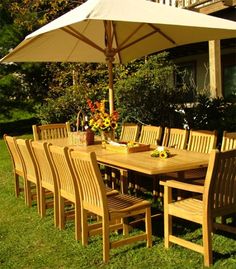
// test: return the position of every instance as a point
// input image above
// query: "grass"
(29, 242)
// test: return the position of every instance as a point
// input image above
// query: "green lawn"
(27, 241)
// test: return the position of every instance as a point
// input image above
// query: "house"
(209, 66)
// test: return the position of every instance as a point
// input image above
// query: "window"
(229, 75)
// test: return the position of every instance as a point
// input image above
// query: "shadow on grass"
(18, 127)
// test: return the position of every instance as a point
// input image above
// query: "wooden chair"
(150, 135)
(204, 142)
(16, 164)
(228, 141)
(47, 177)
(175, 138)
(50, 131)
(68, 188)
(68, 191)
(218, 199)
(129, 132)
(30, 171)
(93, 199)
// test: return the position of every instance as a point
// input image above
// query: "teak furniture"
(48, 183)
(129, 132)
(68, 187)
(51, 131)
(228, 141)
(110, 208)
(142, 162)
(17, 165)
(218, 199)
(30, 171)
(175, 138)
(150, 135)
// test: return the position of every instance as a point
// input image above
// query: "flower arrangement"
(160, 152)
(100, 120)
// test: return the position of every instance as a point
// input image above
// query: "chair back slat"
(90, 180)
(65, 179)
(150, 135)
(228, 141)
(41, 154)
(12, 148)
(30, 168)
(129, 132)
(174, 137)
(50, 131)
(202, 141)
(220, 183)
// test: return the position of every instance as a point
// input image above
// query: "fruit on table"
(132, 144)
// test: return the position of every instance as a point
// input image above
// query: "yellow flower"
(163, 154)
(101, 120)
(107, 122)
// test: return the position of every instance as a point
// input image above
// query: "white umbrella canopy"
(117, 31)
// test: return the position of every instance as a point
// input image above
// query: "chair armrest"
(182, 185)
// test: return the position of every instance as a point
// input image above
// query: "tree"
(24, 83)
(149, 94)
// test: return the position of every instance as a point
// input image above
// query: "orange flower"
(101, 120)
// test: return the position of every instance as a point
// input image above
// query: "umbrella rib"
(156, 30)
(17, 49)
(121, 46)
(136, 41)
(163, 34)
(73, 32)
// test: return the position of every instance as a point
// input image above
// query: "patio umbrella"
(117, 31)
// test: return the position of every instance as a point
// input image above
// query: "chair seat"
(192, 174)
(110, 191)
(124, 203)
(190, 209)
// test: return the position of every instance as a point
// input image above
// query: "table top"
(142, 162)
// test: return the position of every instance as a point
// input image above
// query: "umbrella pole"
(111, 92)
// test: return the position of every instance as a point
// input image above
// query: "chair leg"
(38, 199)
(167, 217)
(77, 222)
(61, 213)
(155, 187)
(148, 226)
(17, 185)
(56, 209)
(207, 242)
(28, 193)
(106, 241)
(42, 202)
(123, 181)
(84, 228)
(125, 226)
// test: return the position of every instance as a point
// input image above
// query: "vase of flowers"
(101, 121)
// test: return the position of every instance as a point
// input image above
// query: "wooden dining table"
(142, 162)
